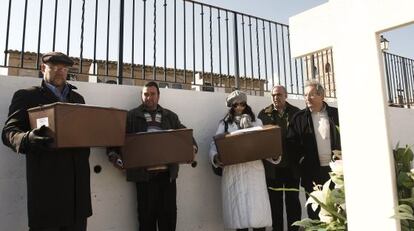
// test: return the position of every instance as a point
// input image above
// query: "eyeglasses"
(242, 104)
(57, 68)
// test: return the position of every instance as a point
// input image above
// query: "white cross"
(352, 28)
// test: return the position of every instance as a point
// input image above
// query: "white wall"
(114, 203)
(355, 25)
(401, 126)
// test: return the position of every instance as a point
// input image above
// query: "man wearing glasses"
(284, 174)
(58, 180)
(312, 136)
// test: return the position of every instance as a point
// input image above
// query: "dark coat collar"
(45, 88)
(269, 109)
(327, 108)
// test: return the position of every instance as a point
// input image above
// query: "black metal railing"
(182, 43)
(400, 79)
(319, 66)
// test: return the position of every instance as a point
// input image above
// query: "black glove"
(38, 139)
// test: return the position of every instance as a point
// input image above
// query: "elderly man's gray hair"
(315, 83)
(281, 86)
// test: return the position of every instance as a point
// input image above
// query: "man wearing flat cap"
(58, 180)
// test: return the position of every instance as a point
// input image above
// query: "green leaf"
(337, 179)
(334, 226)
(396, 146)
(399, 154)
(309, 223)
(338, 196)
(405, 180)
(330, 210)
(405, 184)
(408, 200)
(405, 225)
(408, 155)
(405, 212)
(405, 209)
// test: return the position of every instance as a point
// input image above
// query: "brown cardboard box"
(146, 149)
(78, 125)
(250, 145)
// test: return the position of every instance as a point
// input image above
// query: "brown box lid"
(146, 149)
(79, 125)
(249, 144)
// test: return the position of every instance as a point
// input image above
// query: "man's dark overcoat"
(302, 144)
(58, 181)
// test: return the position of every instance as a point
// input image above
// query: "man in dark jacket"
(312, 136)
(284, 174)
(156, 186)
(58, 180)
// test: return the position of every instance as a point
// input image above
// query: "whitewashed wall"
(114, 202)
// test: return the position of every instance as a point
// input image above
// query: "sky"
(274, 10)
(401, 39)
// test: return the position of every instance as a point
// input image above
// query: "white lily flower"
(319, 194)
(337, 167)
(325, 216)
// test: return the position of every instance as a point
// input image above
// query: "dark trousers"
(78, 226)
(284, 179)
(308, 184)
(157, 203)
(255, 229)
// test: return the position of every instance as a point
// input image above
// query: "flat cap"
(57, 57)
(236, 96)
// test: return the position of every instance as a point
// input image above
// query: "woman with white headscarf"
(244, 191)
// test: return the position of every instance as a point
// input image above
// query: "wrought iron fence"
(400, 79)
(180, 43)
(319, 66)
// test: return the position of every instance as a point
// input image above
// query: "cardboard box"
(249, 144)
(146, 149)
(78, 125)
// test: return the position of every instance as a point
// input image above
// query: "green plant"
(330, 198)
(403, 158)
(331, 201)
